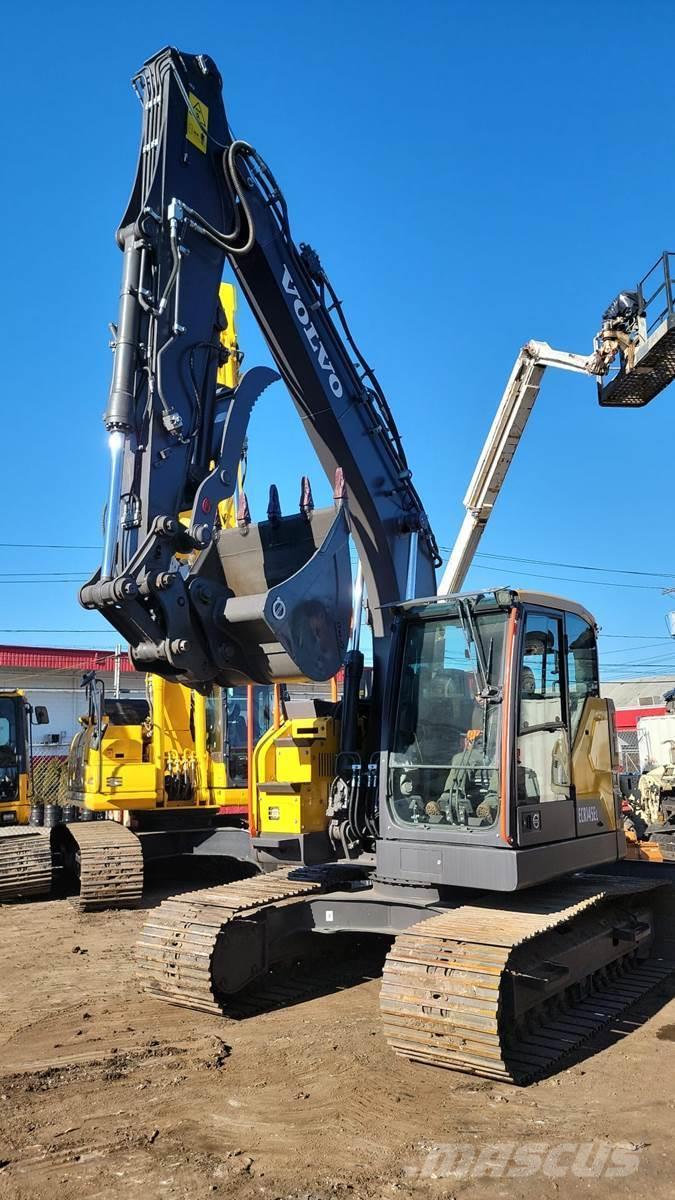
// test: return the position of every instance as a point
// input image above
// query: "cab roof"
(519, 595)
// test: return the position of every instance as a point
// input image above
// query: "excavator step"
(449, 982)
(25, 862)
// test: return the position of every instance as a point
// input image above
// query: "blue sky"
(473, 175)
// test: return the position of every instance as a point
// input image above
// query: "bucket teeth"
(274, 505)
(306, 497)
(243, 512)
(340, 489)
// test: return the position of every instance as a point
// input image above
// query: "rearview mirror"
(41, 714)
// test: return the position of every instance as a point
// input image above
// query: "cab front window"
(444, 764)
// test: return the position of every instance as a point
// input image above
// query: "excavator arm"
(197, 602)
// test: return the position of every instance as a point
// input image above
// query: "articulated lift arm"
(500, 446)
(196, 602)
(638, 327)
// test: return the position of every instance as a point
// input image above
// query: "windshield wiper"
(488, 691)
(472, 635)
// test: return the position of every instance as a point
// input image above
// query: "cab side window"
(214, 723)
(543, 770)
(540, 671)
(582, 667)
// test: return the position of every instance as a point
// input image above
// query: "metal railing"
(655, 290)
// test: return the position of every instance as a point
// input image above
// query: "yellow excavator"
(31, 873)
(176, 749)
(164, 776)
(471, 809)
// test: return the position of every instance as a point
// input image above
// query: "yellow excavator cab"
(14, 758)
(178, 749)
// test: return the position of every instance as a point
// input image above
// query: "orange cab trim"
(507, 731)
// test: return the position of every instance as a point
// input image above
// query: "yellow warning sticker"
(197, 123)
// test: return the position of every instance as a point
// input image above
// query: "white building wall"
(64, 699)
(637, 693)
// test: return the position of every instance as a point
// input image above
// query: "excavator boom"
(196, 602)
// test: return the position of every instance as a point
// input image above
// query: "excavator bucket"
(289, 594)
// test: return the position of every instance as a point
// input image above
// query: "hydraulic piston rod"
(116, 443)
(357, 610)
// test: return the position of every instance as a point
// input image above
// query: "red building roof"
(627, 718)
(59, 658)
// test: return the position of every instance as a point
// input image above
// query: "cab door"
(545, 811)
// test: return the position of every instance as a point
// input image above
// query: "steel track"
(446, 982)
(446, 979)
(25, 862)
(109, 862)
(176, 949)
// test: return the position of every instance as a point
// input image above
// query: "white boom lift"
(500, 446)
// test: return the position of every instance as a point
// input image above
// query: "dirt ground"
(104, 1092)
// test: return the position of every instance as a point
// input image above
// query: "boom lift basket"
(653, 347)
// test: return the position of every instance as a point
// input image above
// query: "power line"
(44, 546)
(643, 587)
(40, 577)
(635, 636)
(547, 562)
(648, 668)
(483, 554)
(42, 582)
(630, 649)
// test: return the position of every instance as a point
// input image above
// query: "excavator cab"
(16, 715)
(13, 759)
(501, 771)
(228, 712)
